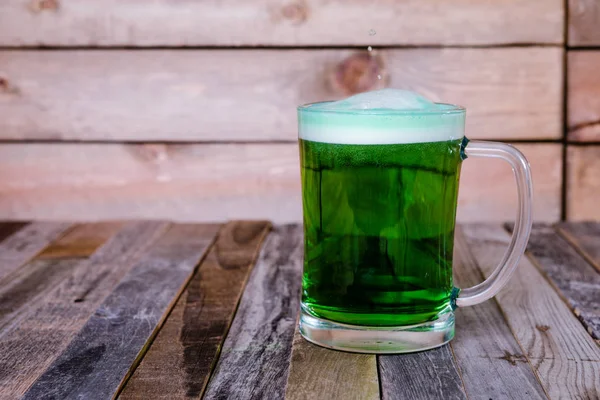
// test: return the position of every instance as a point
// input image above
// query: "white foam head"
(381, 117)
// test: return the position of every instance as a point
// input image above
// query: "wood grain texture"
(478, 200)
(583, 183)
(564, 356)
(585, 237)
(577, 281)
(180, 359)
(26, 243)
(303, 22)
(584, 22)
(583, 101)
(256, 354)
(81, 241)
(32, 281)
(320, 373)
(426, 375)
(491, 362)
(98, 359)
(216, 182)
(31, 342)
(251, 95)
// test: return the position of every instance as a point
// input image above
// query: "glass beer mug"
(380, 176)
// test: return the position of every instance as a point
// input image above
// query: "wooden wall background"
(185, 110)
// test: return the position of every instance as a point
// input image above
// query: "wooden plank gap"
(492, 363)
(26, 243)
(320, 373)
(575, 280)
(33, 340)
(256, 354)
(180, 359)
(584, 237)
(563, 354)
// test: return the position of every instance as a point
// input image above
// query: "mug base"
(377, 339)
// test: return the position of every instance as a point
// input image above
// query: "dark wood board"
(180, 359)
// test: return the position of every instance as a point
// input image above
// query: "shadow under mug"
(379, 194)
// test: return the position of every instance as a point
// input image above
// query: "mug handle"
(496, 281)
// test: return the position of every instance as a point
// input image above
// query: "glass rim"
(451, 109)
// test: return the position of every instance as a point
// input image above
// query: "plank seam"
(458, 371)
(573, 242)
(162, 321)
(504, 317)
(565, 123)
(208, 142)
(378, 365)
(282, 47)
(215, 360)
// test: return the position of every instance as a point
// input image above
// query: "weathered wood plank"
(584, 19)
(320, 373)
(26, 243)
(310, 22)
(216, 182)
(565, 357)
(180, 359)
(585, 237)
(101, 355)
(426, 375)
(574, 278)
(583, 183)
(498, 202)
(256, 354)
(9, 228)
(490, 360)
(252, 95)
(20, 289)
(583, 101)
(31, 342)
(81, 241)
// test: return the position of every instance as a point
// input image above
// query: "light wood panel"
(582, 97)
(564, 356)
(491, 361)
(575, 279)
(320, 373)
(584, 23)
(249, 95)
(488, 191)
(264, 22)
(583, 183)
(216, 182)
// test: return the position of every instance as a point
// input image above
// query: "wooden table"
(148, 310)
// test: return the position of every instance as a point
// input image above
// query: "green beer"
(380, 173)
(379, 230)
